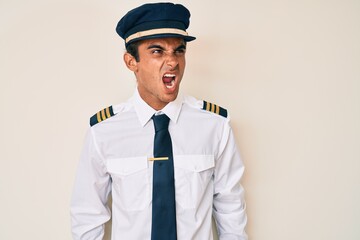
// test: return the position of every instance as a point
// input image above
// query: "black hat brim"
(163, 35)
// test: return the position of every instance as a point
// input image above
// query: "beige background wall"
(288, 72)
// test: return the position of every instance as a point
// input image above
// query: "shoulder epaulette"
(215, 109)
(102, 115)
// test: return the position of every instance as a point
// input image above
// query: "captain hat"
(155, 20)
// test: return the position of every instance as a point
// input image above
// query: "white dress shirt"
(115, 159)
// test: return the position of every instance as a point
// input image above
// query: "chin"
(170, 97)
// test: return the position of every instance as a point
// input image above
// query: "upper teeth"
(169, 75)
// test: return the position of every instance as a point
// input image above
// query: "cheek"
(145, 70)
(182, 65)
(182, 62)
(152, 67)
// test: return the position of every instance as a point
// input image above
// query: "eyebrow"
(181, 47)
(155, 46)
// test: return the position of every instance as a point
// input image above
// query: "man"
(169, 160)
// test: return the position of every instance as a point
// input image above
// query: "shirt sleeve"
(89, 210)
(229, 204)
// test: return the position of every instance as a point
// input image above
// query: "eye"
(157, 51)
(180, 51)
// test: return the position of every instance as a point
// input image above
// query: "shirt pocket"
(131, 184)
(193, 179)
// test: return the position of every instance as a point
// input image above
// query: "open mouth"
(169, 80)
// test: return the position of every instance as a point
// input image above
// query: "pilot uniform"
(117, 158)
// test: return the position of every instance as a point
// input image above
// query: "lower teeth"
(171, 85)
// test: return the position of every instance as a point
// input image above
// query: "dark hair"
(133, 49)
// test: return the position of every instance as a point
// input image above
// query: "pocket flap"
(195, 163)
(126, 166)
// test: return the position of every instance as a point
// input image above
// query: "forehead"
(163, 42)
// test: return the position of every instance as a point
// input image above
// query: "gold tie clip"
(158, 158)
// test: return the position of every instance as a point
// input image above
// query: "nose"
(171, 60)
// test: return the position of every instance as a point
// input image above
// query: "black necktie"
(163, 201)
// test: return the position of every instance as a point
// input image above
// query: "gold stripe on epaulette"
(108, 112)
(103, 115)
(212, 107)
(207, 106)
(217, 111)
(98, 117)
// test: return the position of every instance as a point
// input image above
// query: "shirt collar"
(145, 112)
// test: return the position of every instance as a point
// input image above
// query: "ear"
(130, 62)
